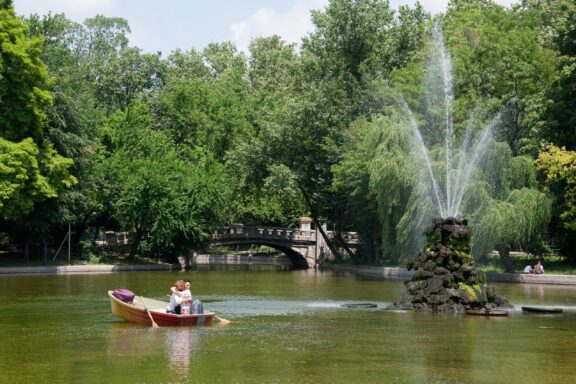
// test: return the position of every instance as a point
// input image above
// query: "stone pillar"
(305, 224)
(237, 228)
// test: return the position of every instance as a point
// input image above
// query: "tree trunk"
(135, 244)
(506, 259)
(344, 244)
(26, 251)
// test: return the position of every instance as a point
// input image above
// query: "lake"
(287, 327)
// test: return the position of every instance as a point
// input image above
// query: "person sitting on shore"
(539, 268)
(528, 269)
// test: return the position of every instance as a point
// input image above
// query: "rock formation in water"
(445, 279)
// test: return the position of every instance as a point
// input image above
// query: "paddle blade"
(222, 320)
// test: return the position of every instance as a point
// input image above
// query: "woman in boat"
(179, 297)
(189, 304)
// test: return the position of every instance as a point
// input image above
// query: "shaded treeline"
(97, 133)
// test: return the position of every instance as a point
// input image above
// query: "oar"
(222, 320)
(154, 325)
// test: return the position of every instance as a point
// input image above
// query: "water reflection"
(449, 351)
(177, 346)
(533, 291)
(181, 346)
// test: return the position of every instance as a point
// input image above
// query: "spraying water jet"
(445, 279)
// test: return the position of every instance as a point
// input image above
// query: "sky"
(192, 24)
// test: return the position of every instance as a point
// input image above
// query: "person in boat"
(186, 296)
(179, 297)
(528, 269)
(189, 304)
(539, 268)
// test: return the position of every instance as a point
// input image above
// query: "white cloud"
(74, 9)
(291, 25)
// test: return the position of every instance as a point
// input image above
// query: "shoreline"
(491, 277)
(363, 271)
(88, 268)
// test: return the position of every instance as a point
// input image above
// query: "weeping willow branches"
(505, 209)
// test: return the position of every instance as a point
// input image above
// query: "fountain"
(444, 278)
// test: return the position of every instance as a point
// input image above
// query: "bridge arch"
(298, 260)
(298, 244)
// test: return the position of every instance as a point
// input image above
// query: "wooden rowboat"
(542, 310)
(136, 313)
(484, 312)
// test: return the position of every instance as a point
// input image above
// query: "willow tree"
(417, 171)
(505, 208)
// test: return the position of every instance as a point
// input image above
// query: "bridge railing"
(287, 234)
(251, 232)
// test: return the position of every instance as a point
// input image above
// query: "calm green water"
(288, 327)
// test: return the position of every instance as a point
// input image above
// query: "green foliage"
(172, 202)
(32, 171)
(558, 32)
(497, 59)
(558, 166)
(23, 80)
(212, 111)
(71, 126)
(159, 146)
(471, 291)
(392, 176)
(30, 175)
(518, 221)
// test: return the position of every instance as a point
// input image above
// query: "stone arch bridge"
(305, 246)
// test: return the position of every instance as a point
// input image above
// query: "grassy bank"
(552, 264)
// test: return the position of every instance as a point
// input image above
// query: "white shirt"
(175, 300)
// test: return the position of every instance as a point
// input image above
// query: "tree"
(498, 61)
(267, 189)
(23, 80)
(206, 111)
(558, 169)
(72, 120)
(33, 172)
(29, 175)
(172, 204)
(507, 210)
(352, 179)
(354, 48)
(558, 33)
